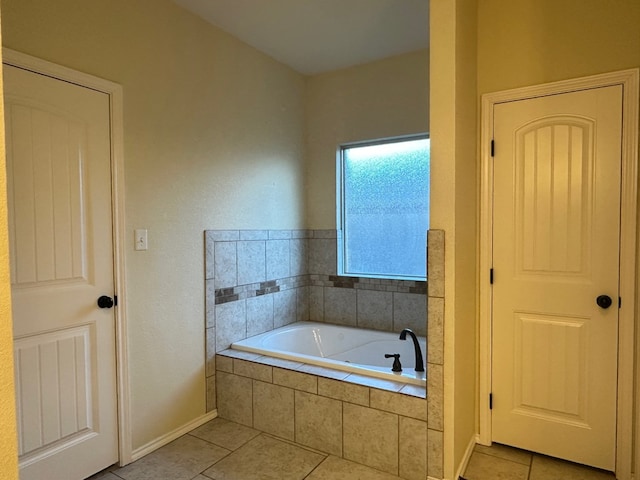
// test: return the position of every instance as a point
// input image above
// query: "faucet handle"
(397, 366)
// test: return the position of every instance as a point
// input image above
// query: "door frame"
(629, 80)
(114, 92)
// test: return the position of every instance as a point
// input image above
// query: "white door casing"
(58, 262)
(627, 82)
(556, 237)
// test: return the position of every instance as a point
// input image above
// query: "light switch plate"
(140, 239)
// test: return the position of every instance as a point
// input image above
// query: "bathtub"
(349, 349)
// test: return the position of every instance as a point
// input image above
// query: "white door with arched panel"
(61, 245)
(556, 244)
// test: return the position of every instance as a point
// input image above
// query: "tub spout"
(416, 346)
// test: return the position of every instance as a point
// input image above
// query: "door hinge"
(115, 300)
(493, 148)
(619, 302)
(491, 401)
(491, 276)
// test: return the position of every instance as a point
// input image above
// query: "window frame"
(340, 199)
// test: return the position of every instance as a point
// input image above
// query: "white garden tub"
(349, 349)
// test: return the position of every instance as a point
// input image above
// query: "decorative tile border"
(241, 292)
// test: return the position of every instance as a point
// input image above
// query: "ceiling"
(315, 36)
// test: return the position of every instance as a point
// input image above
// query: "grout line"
(500, 458)
(342, 428)
(316, 467)
(294, 444)
(295, 421)
(399, 441)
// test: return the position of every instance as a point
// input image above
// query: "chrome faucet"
(416, 346)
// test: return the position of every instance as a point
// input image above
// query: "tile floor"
(224, 450)
(500, 462)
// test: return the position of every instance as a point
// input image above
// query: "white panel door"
(556, 250)
(60, 227)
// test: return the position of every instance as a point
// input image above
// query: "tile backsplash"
(258, 280)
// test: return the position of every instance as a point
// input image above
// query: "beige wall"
(212, 138)
(536, 41)
(466, 279)
(515, 44)
(381, 99)
(454, 210)
(8, 446)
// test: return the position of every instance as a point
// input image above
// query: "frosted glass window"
(384, 209)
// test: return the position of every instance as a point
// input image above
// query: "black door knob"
(604, 301)
(105, 302)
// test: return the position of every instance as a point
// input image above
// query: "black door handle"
(604, 301)
(105, 302)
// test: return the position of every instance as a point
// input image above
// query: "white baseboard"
(466, 457)
(171, 436)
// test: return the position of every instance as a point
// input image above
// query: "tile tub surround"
(377, 423)
(435, 355)
(312, 256)
(258, 280)
(242, 265)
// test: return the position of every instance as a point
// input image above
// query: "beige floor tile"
(546, 468)
(224, 433)
(265, 458)
(334, 468)
(487, 467)
(506, 452)
(181, 459)
(105, 475)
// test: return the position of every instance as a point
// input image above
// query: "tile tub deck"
(378, 423)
